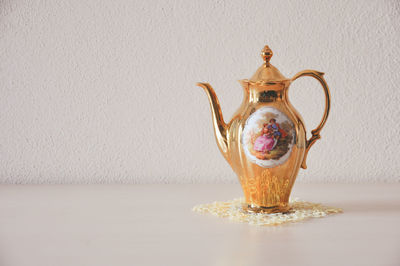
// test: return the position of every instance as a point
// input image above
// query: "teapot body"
(266, 142)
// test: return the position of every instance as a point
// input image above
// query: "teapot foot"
(252, 208)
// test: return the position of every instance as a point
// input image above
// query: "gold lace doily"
(233, 210)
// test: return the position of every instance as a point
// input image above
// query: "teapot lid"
(267, 74)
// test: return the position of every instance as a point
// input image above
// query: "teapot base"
(252, 208)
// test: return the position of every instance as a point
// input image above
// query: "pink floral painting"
(268, 137)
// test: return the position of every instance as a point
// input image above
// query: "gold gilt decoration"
(265, 190)
(266, 54)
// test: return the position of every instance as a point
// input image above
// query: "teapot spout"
(220, 127)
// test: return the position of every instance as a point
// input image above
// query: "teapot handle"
(315, 133)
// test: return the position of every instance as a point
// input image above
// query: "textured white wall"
(104, 91)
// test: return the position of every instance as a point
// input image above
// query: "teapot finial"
(266, 54)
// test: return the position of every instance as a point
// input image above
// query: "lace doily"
(299, 211)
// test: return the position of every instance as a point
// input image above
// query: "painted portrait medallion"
(268, 137)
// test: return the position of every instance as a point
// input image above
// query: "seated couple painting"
(271, 138)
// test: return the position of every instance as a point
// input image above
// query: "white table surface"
(154, 225)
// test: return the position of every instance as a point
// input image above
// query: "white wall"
(104, 91)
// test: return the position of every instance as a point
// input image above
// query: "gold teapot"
(265, 142)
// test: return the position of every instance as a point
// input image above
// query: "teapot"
(265, 142)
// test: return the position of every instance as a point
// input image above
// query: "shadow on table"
(368, 206)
